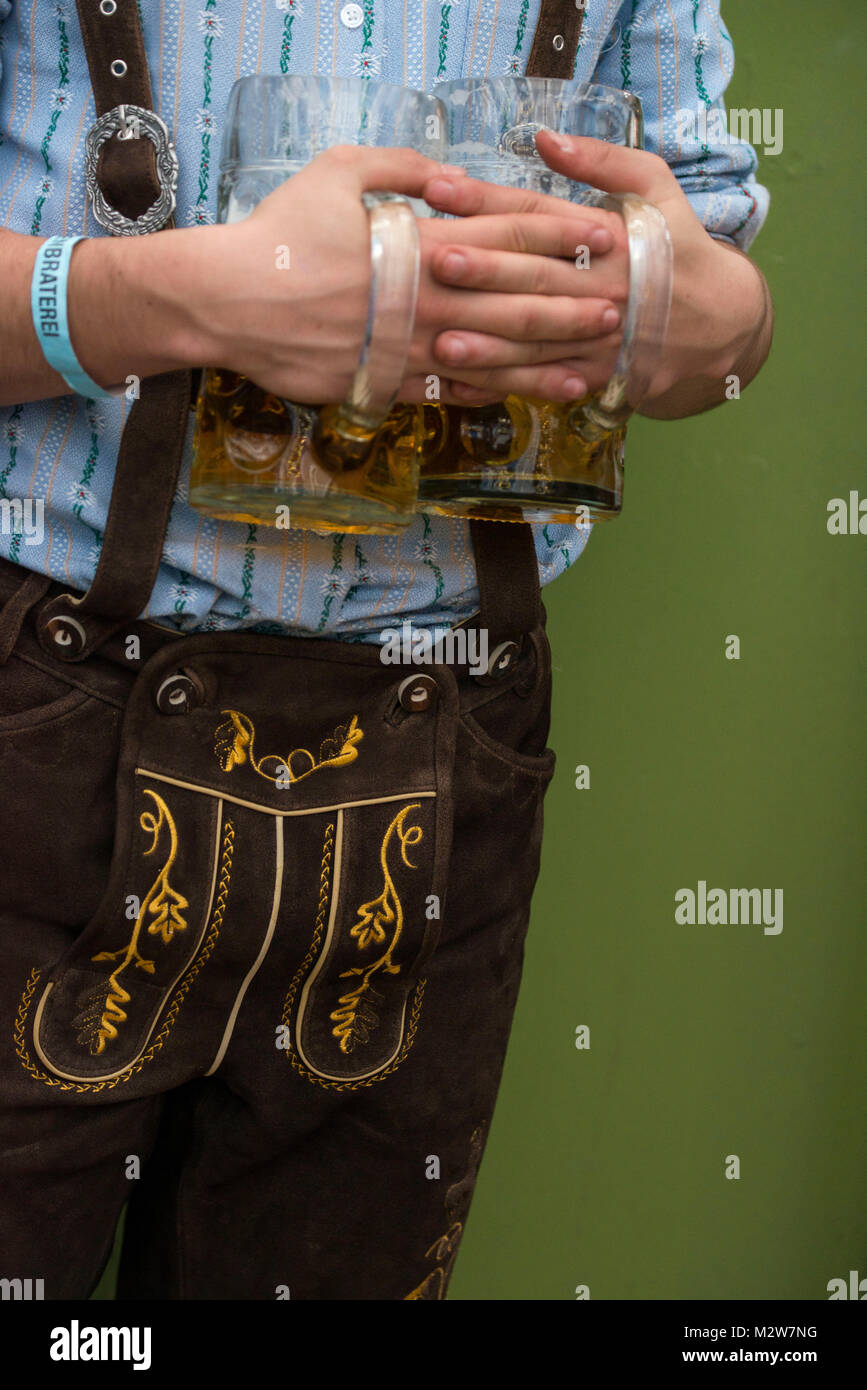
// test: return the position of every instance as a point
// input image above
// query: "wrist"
(741, 286)
(134, 304)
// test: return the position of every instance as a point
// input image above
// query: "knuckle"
(540, 278)
(341, 154)
(517, 235)
(529, 319)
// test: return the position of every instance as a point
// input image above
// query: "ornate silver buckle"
(130, 123)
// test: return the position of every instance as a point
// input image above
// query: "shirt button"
(351, 16)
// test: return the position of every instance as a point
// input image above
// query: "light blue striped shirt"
(673, 55)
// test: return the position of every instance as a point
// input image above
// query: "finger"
(541, 234)
(416, 389)
(555, 381)
(477, 268)
(460, 353)
(613, 168)
(399, 170)
(529, 318)
(468, 197)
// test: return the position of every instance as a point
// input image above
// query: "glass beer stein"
(527, 459)
(349, 467)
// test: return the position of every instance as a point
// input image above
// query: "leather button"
(351, 16)
(417, 693)
(178, 694)
(502, 659)
(67, 637)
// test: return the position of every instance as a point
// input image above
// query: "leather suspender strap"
(555, 42)
(506, 565)
(507, 572)
(119, 76)
(151, 446)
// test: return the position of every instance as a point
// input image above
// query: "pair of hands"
(502, 306)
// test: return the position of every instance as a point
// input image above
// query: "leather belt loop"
(151, 446)
(555, 42)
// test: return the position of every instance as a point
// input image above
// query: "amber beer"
(527, 459)
(257, 453)
(496, 461)
(258, 457)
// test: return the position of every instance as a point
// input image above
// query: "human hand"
(298, 332)
(534, 330)
(717, 296)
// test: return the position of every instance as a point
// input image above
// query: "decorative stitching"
(321, 916)
(445, 1247)
(234, 745)
(103, 1004)
(355, 1017)
(183, 989)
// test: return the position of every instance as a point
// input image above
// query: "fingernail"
(440, 190)
(600, 239)
(455, 350)
(610, 318)
(454, 265)
(575, 386)
(453, 169)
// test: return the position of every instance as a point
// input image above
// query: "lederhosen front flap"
(294, 793)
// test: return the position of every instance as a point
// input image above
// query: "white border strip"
(275, 908)
(268, 810)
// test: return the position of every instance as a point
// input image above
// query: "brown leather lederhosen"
(264, 898)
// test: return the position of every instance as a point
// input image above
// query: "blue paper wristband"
(48, 307)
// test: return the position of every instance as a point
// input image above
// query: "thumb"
(613, 168)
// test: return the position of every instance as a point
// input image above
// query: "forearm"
(741, 311)
(131, 309)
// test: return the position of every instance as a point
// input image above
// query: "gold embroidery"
(174, 1008)
(234, 745)
(356, 1017)
(445, 1248)
(286, 1019)
(103, 1006)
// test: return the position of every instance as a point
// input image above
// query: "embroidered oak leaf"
(166, 909)
(94, 1024)
(232, 739)
(356, 1018)
(374, 919)
(340, 747)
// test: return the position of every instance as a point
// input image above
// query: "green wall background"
(606, 1167)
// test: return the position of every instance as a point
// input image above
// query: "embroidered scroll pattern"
(83, 1087)
(234, 740)
(103, 1012)
(356, 1017)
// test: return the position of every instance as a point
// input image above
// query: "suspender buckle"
(129, 122)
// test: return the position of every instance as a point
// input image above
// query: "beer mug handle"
(651, 274)
(394, 262)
